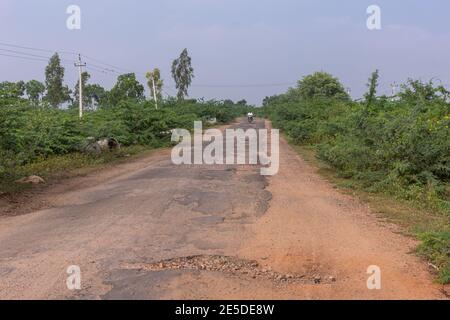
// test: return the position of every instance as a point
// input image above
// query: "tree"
(416, 90)
(95, 95)
(228, 102)
(57, 93)
(321, 84)
(127, 87)
(20, 86)
(370, 98)
(268, 100)
(155, 76)
(35, 90)
(182, 73)
(372, 85)
(12, 90)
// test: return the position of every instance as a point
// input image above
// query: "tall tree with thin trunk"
(370, 96)
(57, 93)
(154, 77)
(182, 73)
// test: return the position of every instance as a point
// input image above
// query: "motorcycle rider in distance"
(250, 117)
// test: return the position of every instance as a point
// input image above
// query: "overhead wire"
(20, 57)
(36, 49)
(107, 68)
(33, 55)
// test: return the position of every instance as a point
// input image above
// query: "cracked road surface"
(149, 229)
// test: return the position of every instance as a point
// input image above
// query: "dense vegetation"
(398, 145)
(394, 145)
(40, 121)
(28, 132)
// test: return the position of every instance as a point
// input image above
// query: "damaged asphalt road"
(148, 229)
(157, 213)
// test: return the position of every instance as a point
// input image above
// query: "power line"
(25, 58)
(106, 64)
(111, 68)
(96, 69)
(260, 85)
(102, 68)
(115, 69)
(99, 68)
(36, 49)
(23, 53)
(34, 55)
(58, 51)
(45, 59)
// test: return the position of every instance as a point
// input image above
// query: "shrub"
(29, 132)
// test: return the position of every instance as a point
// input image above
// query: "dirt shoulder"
(313, 229)
(148, 229)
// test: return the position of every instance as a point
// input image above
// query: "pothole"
(228, 265)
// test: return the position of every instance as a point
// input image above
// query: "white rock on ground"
(31, 180)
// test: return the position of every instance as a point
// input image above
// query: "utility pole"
(154, 93)
(80, 64)
(394, 89)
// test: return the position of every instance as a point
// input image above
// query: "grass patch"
(65, 166)
(435, 247)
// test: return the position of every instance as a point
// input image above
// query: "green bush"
(403, 143)
(29, 132)
(394, 145)
(436, 246)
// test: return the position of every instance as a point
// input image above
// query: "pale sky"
(237, 46)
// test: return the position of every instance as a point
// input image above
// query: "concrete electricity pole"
(80, 64)
(154, 93)
(394, 88)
